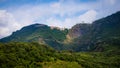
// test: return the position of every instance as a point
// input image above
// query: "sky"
(14, 14)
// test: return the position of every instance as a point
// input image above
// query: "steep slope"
(39, 33)
(79, 30)
(107, 28)
(106, 33)
(96, 36)
(79, 36)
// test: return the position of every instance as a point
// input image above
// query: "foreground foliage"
(34, 55)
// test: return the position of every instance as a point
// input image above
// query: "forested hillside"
(39, 33)
(98, 36)
(34, 55)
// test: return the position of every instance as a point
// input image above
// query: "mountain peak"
(37, 25)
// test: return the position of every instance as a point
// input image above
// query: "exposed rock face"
(79, 30)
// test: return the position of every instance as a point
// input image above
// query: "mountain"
(78, 37)
(38, 33)
(107, 28)
(98, 36)
(106, 33)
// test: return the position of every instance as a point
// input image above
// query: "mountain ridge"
(82, 37)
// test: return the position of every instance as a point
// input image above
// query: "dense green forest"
(34, 55)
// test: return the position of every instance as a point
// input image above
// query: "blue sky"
(14, 14)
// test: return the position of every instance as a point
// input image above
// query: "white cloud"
(54, 22)
(112, 1)
(7, 23)
(55, 5)
(87, 17)
(107, 7)
(28, 14)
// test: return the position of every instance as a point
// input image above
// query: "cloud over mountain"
(8, 24)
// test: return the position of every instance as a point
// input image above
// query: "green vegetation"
(90, 37)
(34, 55)
(35, 32)
(61, 64)
(38, 33)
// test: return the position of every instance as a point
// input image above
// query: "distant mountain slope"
(110, 26)
(39, 33)
(105, 31)
(107, 28)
